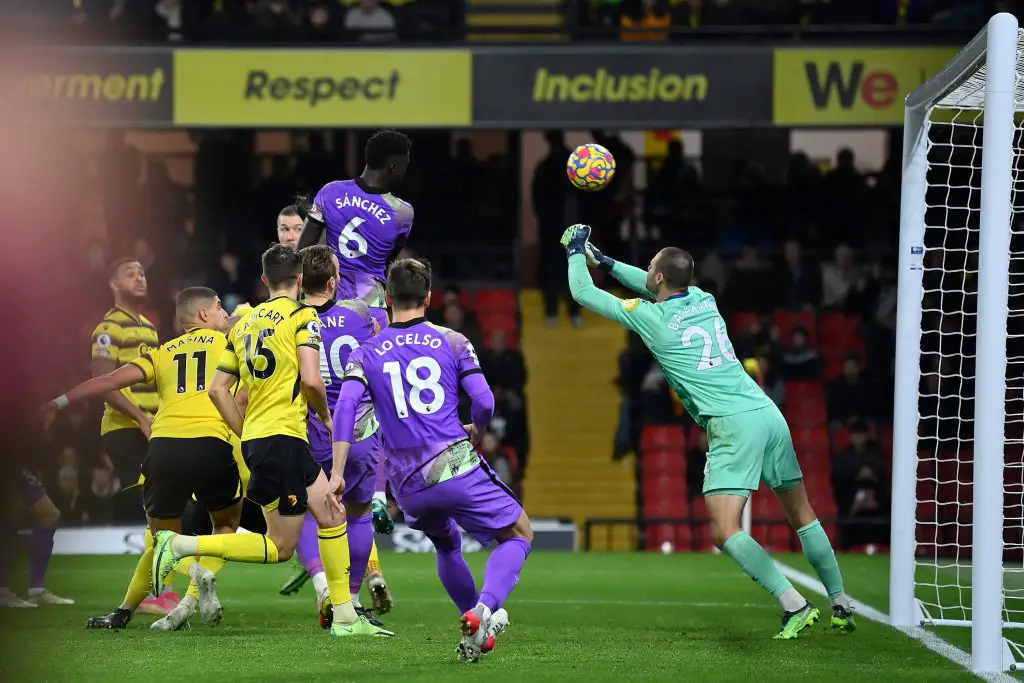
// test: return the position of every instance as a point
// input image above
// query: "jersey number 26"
(707, 360)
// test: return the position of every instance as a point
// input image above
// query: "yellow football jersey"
(262, 352)
(182, 370)
(122, 338)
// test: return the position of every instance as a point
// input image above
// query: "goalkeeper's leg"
(818, 550)
(725, 508)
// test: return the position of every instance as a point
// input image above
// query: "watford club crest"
(293, 500)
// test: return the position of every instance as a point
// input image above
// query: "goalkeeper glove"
(574, 239)
(595, 259)
(382, 522)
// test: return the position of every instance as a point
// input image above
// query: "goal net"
(958, 466)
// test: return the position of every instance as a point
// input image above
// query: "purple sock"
(39, 554)
(308, 547)
(8, 550)
(453, 571)
(502, 572)
(360, 542)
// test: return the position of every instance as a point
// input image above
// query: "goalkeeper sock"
(756, 564)
(138, 587)
(819, 553)
(334, 554)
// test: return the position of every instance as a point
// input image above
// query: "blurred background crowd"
(377, 21)
(802, 256)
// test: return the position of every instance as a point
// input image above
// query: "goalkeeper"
(749, 440)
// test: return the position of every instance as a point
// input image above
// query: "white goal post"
(956, 559)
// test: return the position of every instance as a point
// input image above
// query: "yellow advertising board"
(325, 88)
(850, 87)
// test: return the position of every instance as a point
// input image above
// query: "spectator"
(369, 22)
(68, 498)
(321, 26)
(455, 319)
(645, 21)
(771, 379)
(850, 396)
(696, 461)
(490, 449)
(670, 193)
(509, 424)
(555, 205)
(100, 502)
(801, 279)
(170, 12)
(228, 277)
(800, 362)
(504, 367)
(841, 281)
(275, 20)
(752, 285)
(861, 495)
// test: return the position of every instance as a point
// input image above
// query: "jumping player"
(748, 437)
(412, 371)
(189, 452)
(367, 226)
(275, 351)
(344, 326)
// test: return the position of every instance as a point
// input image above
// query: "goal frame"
(995, 48)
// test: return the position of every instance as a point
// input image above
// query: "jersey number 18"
(417, 386)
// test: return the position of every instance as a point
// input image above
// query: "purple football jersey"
(344, 326)
(412, 371)
(364, 228)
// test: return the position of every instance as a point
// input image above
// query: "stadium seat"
(805, 391)
(811, 442)
(841, 437)
(663, 437)
(805, 413)
(787, 320)
(662, 462)
(658, 486)
(742, 321)
(496, 321)
(838, 329)
(497, 301)
(674, 507)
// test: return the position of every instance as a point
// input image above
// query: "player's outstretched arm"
(224, 400)
(313, 226)
(634, 278)
(112, 382)
(103, 368)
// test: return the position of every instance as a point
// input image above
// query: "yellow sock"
(138, 588)
(333, 543)
(213, 564)
(373, 566)
(254, 548)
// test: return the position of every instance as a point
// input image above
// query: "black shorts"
(126, 449)
(196, 520)
(176, 469)
(281, 469)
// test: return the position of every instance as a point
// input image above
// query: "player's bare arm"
(242, 399)
(224, 400)
(312, 383)
(109, 383)
(116, 399)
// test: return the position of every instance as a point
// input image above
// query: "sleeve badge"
(630, 304)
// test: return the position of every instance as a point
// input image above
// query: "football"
(590, 167)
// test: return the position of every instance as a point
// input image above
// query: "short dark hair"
(116, 265)
(385, 144)
(289, 211)
(317, 267)
(282, 265)
(189, 300)
(408, 283)
(676, 266)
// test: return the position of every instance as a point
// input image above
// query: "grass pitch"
(574, 617)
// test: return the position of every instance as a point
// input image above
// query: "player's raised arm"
(630, 276)
(313, 226)
(625, 312)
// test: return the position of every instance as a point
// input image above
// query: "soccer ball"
(590, 167)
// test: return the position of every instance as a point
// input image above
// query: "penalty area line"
(921, 635)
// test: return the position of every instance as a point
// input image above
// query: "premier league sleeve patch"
(630, 304)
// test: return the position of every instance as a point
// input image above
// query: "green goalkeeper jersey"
(687, 336)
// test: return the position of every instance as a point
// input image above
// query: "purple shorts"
(476, 500)
(30, 489)
(360, 468)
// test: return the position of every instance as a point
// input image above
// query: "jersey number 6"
(350, 237)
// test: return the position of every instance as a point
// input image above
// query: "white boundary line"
(921, 635)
